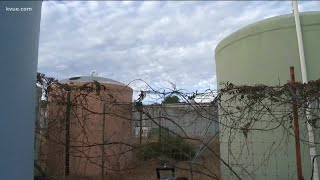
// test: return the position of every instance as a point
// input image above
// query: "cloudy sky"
(154, 41)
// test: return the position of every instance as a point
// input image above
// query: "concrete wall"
(195, 120)
(262, 53)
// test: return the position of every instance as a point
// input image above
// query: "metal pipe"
(296, 125)
(103, 140)
(140, 139)
(305, 80)
(67, 148)
(300, 42)
(160, 129)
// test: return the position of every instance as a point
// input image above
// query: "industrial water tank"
(262, 53)
(99, 128)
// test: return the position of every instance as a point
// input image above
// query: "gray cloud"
(155, 41)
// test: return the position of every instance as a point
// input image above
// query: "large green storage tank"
(262, 53)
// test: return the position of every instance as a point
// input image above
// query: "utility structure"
(139, 107)
(261, 53)
(19, 40)
(95, 134)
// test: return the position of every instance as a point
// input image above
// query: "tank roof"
(90, 79)
(269, 24)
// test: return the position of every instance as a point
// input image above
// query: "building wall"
(262, 53)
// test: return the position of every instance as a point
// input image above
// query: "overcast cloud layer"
(155, 41)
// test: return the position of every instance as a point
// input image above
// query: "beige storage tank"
(100, 128)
